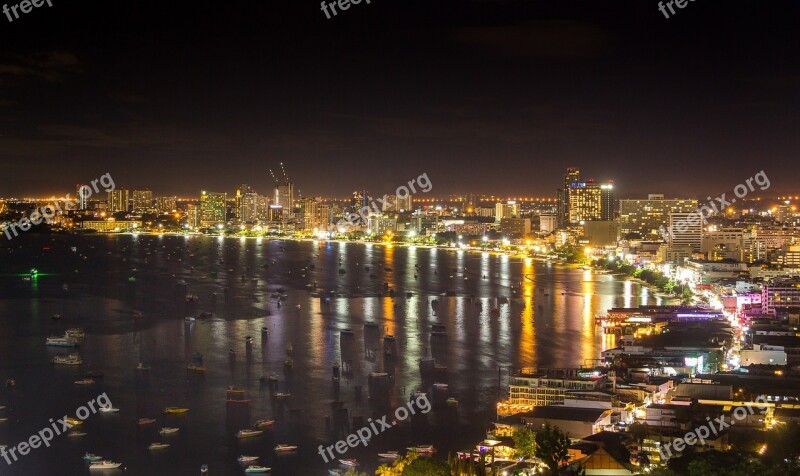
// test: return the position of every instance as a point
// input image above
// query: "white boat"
(264, 423)
(425, 449)
(104, 465)
(273, 377)
(145, 421)
(85, 381)
(389, 455)
(248, 433)
(91, 457)
(109, 409)
(72, 359)
(75, 333)
(282, 395)
(285, 448)
(61, 342)
(257, 470)
(75, 434)
(168, 431)
(141, 366)
(158, 446)
(349, 462)
(247, 459)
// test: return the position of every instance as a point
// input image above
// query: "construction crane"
(273, 176)
(284, 173)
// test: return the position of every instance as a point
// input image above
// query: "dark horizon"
(483, 96)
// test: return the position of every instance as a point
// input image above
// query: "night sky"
(483, 96)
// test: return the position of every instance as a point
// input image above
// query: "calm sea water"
(99, 282)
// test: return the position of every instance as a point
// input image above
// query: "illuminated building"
(212, 208)
(646, 217)
(284, 197)
(166, 204)
(685, 229)
(780, 294)
(572, 175)
(506, 210)
(591, 201)
(142, 200)
(118, 200)
(193, 215)
(82, 199)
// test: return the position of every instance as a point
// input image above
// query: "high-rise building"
(194, 215)
(284, 197)
(166, 204)
(647, 217)
(591, 201)
(247, 206)
(506, 210)
(83, 198)
(118, 200)
(237, 206)
(142, 201)
(212, 208)
(404, 204)
(685, 229)
(572, 175)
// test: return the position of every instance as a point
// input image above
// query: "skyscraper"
(572, 175)
(284, 197)
(142, 201)
(212, 208)
(590, 201)
(118, 200)
(166, 204)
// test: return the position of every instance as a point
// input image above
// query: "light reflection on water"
(548, 322)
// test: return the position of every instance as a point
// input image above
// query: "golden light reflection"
(527, 338)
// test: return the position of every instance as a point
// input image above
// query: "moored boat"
(91, 457)
(175, 410)
(72, 359)
(389, 455)
(168, 431)
(195, 368)
(285, 448)
(104, 465)
(109, 409)
(145, 421)
(247, 459)
(248, 433)
(425, 449)
(158, 446)
(264, 423)
(257, 470)
(349, 462)
(85, 381)
(61, 342)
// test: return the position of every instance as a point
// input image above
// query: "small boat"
(158, 446)
(425, 449)
(75, 434)
(175, 410)
(389, 455)
(273, 377)
(145, 421)
(247, 459)
(56, 317)
(71, 359)
(349, 462)
(168, 431)
(85, 381)
(91, 457)
(285, 448)
(109, 409)
(288, 362)
(61, 342)
(257, 470)
(104, 465)
(452, 402)
(264, 423)
(73, 421)
(75, 333)
(195, 368)
(238, 401)
(189, 319)
(248, 433)
(282, 395)
(204, 469)
(142, 367)
(10, 382)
